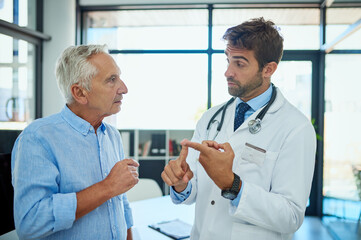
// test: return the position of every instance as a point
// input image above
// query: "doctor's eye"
(239, 64)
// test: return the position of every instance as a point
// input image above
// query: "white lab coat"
(276, 184)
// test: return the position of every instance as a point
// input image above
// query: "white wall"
(59, 23)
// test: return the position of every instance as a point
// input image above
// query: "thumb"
(188, 176)
(226, 147)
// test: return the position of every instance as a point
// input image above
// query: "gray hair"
(73, 67)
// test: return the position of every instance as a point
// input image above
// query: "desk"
(146, 212)
(154, 210)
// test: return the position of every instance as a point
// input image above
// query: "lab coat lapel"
(229, 120)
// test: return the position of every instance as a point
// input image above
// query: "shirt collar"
(78, 123)
(259, 101)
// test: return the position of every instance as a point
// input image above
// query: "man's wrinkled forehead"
(232, 49)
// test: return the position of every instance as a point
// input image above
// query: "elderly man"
(68, 170)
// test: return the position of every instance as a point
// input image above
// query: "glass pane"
(342, 141)
(17, 106)
(6, 53)
(338, 21)
(219, 82)
(148, 29)
(6, 10)
(293, 78)
(299, 27)
(24, 14)
(164, 91)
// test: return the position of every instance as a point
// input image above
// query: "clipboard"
(175, 229)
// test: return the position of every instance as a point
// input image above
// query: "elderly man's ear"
(79, 94)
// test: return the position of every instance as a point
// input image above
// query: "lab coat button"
(213, 202)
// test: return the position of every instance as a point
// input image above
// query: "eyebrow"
(238, 57)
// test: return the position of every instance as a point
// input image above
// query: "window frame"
(35, 37)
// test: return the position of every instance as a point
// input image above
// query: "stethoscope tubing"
(252, 128)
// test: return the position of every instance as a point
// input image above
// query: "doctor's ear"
(269, 69)
(79, 94)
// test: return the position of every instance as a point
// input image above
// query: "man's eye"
(239, 64)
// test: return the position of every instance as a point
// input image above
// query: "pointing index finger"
(194, 145)
(184, 152)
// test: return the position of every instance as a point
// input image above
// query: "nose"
(228, 73)
(122, 88)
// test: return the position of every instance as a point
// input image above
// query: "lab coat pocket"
(249, 231)
(253, 154)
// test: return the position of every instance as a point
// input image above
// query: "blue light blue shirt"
(255, 104)
(53, 159)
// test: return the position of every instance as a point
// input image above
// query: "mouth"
(119, 101)
(231, 84)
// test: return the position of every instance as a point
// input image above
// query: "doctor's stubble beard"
(244, 90)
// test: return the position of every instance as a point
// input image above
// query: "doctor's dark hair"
(73, 67)
(258, 35)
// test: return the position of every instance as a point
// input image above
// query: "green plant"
(318, 136)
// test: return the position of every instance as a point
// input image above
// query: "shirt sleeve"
(127, 212)
(235, 201)
(180, 197)
(39, 209)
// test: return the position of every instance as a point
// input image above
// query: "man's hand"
(122, 177)
(217, 161)
(177, 172)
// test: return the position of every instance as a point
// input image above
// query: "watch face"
(229, 195)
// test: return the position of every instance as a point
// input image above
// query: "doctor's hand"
(177, 172)
(217, 161)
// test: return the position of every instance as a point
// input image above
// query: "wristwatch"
(232, 192)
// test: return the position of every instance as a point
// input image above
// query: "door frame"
(317, 59)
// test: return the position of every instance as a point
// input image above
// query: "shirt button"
(110, 200)
(213, 202)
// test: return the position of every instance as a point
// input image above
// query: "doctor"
(247, 184)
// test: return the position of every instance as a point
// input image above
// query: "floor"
(312, 229)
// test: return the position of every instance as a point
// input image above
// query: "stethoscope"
(254, 126)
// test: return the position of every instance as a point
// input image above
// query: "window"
(21, 12)
(338, 21)
(163, 60)
(342, 137)
(299, 27)
(149, 29)
(164, 91)
(17, 93)
(20, 67)
(165, 50)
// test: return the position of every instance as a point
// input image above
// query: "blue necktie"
(242, 108)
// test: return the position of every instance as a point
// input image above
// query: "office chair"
(146, 188)
(7, 194)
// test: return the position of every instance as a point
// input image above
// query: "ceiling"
(145, 2)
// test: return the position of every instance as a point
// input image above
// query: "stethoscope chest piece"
(254, 126)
